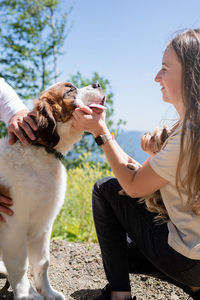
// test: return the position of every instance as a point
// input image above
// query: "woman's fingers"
(26, 127)
(11, 138)
(5, 200)
(86, 119)
(16, 130)
(6, 210)
(90, 111)
(20, 125)
(77, 113)
(84, 109)
(5, 203)
(2, 219)
(28, 119)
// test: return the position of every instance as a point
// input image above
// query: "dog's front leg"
(16, 262)
(39, 260)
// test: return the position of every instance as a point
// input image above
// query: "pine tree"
(31, 38)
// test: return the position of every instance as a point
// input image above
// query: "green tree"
(87, 144)
(3, 129)
(31, 38)
(32, 34)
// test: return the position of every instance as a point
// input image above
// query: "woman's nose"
(158, 77)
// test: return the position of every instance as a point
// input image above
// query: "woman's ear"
(46, 124)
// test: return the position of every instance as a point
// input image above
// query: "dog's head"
(57, 103)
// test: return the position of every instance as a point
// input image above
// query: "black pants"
(116, 216)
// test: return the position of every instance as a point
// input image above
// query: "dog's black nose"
(96, 85)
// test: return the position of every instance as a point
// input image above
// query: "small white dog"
(34, 177)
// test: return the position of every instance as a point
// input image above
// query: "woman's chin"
(165, 99)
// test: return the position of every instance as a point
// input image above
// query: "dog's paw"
(30, 295)
(39, 297)
(30, 298)
(56, 297)
(152, 143)
(53, 295)
(59, 296)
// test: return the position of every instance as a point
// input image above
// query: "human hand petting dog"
(90, 119)
(5, 204)
(21, 122)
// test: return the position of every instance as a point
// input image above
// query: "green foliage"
(86, 157)
(3, 129)
(31, 38)
(75, 222)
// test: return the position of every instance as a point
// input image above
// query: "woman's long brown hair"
(187, 48)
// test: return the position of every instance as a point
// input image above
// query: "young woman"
(170, 250)
(15, 114)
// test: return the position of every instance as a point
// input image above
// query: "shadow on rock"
(6, 296)
(85, 294)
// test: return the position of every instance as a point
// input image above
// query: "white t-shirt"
(10, 103)
(184, 225)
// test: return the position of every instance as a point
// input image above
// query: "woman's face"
(170, 78)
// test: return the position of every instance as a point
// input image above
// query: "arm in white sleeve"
(10, 102)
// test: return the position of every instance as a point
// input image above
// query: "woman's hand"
(5, 203)
(90, 120)
(21, 122)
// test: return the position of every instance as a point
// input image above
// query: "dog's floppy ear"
(46, 124)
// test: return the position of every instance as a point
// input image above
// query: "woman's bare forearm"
(127, 158)
(118, 160)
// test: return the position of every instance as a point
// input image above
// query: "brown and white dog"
(36, 181)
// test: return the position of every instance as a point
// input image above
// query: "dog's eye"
(72, 89)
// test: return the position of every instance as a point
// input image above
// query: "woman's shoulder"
(3, 84)
(2, 81)
(5, 89)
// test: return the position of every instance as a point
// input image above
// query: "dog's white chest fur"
(37, 184)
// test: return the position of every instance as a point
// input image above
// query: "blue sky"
(124, 42)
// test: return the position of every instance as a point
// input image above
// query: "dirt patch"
(77, 271)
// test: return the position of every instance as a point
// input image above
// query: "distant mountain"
(130, 142)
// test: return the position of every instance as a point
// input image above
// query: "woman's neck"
(180, 110)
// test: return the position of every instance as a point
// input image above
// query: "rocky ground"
(76, 270)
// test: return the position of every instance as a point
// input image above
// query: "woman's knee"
(98, 189)
(102, 192)
(105, 186)
(99, 183)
